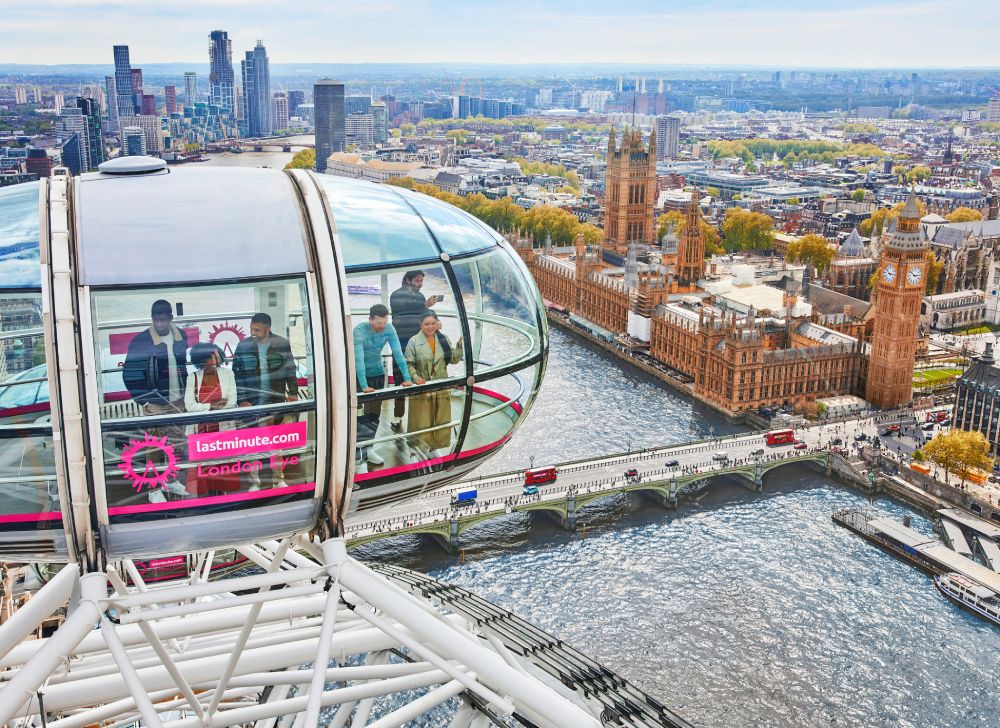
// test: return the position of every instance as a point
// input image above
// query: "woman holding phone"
(407, 305)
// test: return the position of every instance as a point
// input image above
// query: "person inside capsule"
(236, 429)
(264, 366)
(428, 355)
(370, 337)
(407, 304)
(155, 369)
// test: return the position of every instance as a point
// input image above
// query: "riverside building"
(739, 337)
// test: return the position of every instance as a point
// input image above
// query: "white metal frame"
(197, 653)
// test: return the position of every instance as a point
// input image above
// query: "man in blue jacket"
(370, 337)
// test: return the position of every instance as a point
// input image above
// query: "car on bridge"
(530, 490)
(721, 456)
(800, 445)
(632, 475)
(672, 463)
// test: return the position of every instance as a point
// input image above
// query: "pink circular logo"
(154, 474)
(226, 336)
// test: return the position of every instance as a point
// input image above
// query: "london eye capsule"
(195, 358)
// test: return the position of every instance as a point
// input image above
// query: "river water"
(741, 610)
(744, 609)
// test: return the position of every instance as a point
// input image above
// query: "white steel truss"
(241, 652)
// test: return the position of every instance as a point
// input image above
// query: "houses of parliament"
(740, 332)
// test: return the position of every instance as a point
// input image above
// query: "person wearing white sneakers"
(370, 337)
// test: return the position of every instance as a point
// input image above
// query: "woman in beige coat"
(428, 354)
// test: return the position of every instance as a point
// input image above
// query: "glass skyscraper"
(190, 89)
(123, 82)
(221, 79)
(257, 92)
(111, 89)
(328, 103)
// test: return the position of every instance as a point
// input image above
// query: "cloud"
(848, 33)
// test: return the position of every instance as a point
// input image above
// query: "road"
(496, 492)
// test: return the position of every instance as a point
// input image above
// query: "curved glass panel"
(210, 224)
(498, 406)
(375, 225)
(206, 402)
(19, 262)
(30, 509)
(455, 230)
(503, 315)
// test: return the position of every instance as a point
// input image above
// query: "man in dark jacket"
(155, 370)
(264, 366)
(408, 307)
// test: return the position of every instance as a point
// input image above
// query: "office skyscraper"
(111, 89)
(91, 109)
(328, 102)
(221, 79)
(380, 123)
(279, 110)
(72, 129)
(257, 92)
(123, 82)
(357, 104)
(668, 131)
(133, 142)
(137, 88)
(170, 99)
(294, 99)
(190, 88)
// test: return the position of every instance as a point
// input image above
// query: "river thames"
(743, 609)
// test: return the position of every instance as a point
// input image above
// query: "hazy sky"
(773, 33)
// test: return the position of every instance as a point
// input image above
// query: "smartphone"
(439, 297)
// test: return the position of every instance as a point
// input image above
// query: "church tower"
(691, 249)
(902, 275)
(629, 192)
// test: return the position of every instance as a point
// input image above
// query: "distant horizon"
(620, 67)
(776, 34)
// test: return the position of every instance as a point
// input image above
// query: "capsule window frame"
(97, 427)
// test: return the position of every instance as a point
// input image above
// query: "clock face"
(889, 273)
(914, 275)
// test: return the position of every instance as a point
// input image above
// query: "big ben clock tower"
(902, 273)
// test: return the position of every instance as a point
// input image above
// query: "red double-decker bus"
(780, 437)
(540, 476)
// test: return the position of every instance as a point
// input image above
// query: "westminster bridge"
(664, 474)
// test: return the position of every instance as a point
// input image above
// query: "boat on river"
(970, 595)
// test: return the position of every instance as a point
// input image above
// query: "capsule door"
(206, 420)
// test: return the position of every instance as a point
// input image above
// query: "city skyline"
(774, 33)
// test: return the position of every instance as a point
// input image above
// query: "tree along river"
(743, 609)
